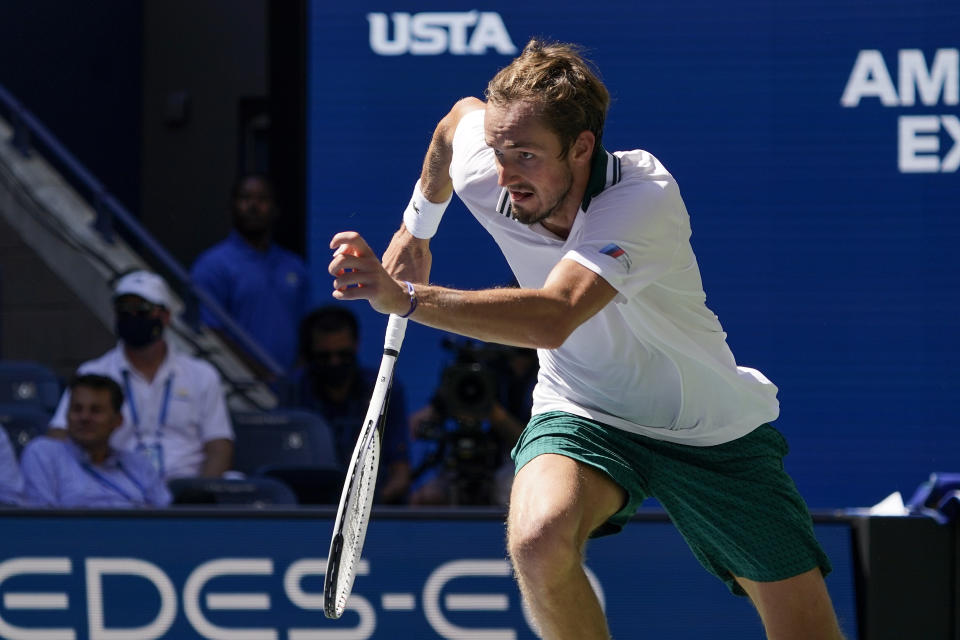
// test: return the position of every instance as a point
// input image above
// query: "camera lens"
(469, 390)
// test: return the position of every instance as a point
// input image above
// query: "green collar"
(604, 172)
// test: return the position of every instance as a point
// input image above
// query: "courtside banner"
(261, 578)
(816, 145)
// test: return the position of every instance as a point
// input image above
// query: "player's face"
(528, 162)
(91, 417)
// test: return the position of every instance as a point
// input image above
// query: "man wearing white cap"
(175, 413)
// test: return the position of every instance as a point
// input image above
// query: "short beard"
(534, 217)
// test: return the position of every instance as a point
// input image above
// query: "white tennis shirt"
(655, 360)
(181, 420)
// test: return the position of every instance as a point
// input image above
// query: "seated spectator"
(462, 438)
(333, 384)
(11, 482)
(83, 470)
(175, 413)
(262, 286)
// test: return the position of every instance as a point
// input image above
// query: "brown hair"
(563, 85)
(99, 383)
(326, 319)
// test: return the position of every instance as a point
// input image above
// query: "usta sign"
(437, 32)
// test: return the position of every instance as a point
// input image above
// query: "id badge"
(154, 453)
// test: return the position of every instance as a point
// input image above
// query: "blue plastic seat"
(288, 437)
(254, 492)
(29, 383)
(292, 446)
(23, 423)
(312, 484)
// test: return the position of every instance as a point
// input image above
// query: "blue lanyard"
(135, 416)
(107, 482)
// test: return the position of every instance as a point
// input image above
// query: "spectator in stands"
(331, 382)
(175, 413)
(84, 470)
(463, 437)
(262, 286)
(11, 482)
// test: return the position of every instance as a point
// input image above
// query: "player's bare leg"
(554, 505)
(797, 608)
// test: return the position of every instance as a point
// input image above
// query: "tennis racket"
(353, 514)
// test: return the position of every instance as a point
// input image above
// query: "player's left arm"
(538, 318)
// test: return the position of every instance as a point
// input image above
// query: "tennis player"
(638, 393)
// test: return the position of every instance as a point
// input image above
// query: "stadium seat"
(312, 484)
(287, 437)
(29, 383)
(254, 492)
(23, 423)
(293, 446)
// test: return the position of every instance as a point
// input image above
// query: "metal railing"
(30, 134)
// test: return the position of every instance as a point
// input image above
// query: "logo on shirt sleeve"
(616, 252)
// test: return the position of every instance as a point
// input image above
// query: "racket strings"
(356, 517)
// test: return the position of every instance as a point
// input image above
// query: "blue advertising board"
(185, 576)
(816, 145)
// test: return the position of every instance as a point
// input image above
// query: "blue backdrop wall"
(816, 145)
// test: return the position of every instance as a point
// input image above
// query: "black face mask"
(138, 330)
(327, 374)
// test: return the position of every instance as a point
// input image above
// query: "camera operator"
(462, 438)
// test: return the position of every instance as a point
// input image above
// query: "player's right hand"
(358, 275)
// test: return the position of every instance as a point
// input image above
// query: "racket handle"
(396, 328)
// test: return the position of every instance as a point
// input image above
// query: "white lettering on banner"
(869, 79)
(943, 77)
(96, 568)
(28, 566)
(433, 33)
(314, 601)
(951, 162)
(195, 587)
(918, 136)
(459, 569)
(913, 143)
(226, 567)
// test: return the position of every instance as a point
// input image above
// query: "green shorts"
(734, 504)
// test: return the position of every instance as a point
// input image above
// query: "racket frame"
(335, 593)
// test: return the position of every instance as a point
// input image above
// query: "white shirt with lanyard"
(168, 418)
(150, 445)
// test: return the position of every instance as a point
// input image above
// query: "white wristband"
(422, 217)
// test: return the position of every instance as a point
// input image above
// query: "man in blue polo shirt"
(262, 286)
(83, 470)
